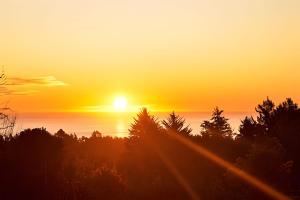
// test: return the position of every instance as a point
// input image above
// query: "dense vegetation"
(150, 164)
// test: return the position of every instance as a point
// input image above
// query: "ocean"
(112, 124)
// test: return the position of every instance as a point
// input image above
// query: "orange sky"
(74, 55)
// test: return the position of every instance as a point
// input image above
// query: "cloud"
(49, 81)
(6, 91)
(26, 86)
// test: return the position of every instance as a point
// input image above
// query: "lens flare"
(248, 178)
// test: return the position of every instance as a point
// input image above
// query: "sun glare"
(120, 104)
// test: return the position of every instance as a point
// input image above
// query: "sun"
(120, 104)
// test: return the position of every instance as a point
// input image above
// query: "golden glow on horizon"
(119, 104)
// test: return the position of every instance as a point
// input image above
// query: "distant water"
(113, 124)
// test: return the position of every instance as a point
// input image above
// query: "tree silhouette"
(144, 124)
(176, 124)
(96, 134)
(281, 122)
(265, 111)
(265, 159)
(217, 126)
(32, 165)
(7, 115)
(35, 164)
(65, 137)
(249, 129)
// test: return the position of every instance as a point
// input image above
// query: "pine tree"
(176, 124)
(144, 124)
(217, 126)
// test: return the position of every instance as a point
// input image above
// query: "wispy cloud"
(26, 86)
(49, 81)
(6, 91)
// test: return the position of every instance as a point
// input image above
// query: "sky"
(185, 55)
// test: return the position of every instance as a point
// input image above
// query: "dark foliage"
(176, 124)
(217, 126)
(150, 164)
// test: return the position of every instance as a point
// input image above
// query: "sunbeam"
(258, 184)
(181, 180)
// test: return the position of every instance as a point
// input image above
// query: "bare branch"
(7, 115)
